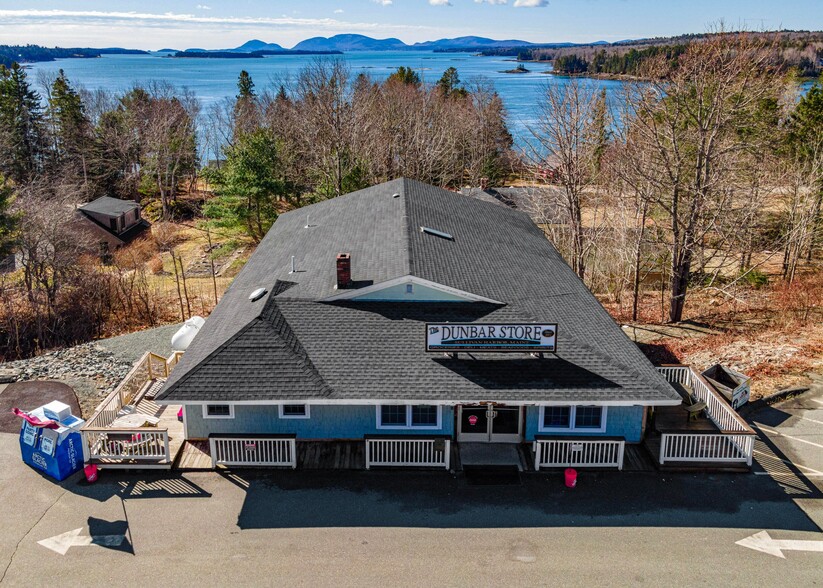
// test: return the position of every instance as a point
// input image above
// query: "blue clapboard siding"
(621, 421)
(326, 422)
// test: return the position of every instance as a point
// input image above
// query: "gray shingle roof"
(109, 206)
(292, 345)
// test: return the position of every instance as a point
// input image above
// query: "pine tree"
(405, 75)
(246, 107)
(449, 83)
(245, 86)
(71, 128)
(21, 126)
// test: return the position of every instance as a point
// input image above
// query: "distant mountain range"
(350, 42)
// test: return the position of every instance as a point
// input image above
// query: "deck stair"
(153, 388)
(129, 429)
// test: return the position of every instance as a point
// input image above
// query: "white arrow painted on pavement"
(61, 543)
(762, 541)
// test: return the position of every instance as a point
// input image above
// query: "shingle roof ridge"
(166, 390)
(277, 322)
(406, 223)
(279, 287)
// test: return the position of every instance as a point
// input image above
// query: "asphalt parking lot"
(251, 528)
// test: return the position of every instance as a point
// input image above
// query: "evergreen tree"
(249, 184)
(72, 140)
(449, 83)
(245, 86)
(246, 107)
(405, 75)
(21, 132)
(806, 142)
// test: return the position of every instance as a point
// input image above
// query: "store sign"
(453, 337)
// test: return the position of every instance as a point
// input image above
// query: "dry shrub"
(136, 253)
(166, 235)
(156, 265)
(799, 302)
(79, 314)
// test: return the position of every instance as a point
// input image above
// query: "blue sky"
(152, 24)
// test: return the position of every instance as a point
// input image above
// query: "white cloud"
(530, 3)
(383, 2)
(491, 1)
(97, 28)
(203, 7)
(339, 11)
(440, 2)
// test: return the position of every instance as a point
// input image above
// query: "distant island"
(520, 69)
(34, 53)
(201, 54)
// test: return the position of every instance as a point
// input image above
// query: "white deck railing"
(406, 452)
(733, 443)
(719, 448)
(582, 452)
(717, 408)
(139, 445)
(253, 451)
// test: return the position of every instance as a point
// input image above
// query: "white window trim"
(408, 426)
(206, 414)
(542, 428)
(295, 416)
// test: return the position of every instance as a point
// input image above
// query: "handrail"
(146, 443)
(718, 409)
(596, 452)
(117, 393)
(253, 450)
(697, 447)
(124, 429)
(144, 369)
(408, 451)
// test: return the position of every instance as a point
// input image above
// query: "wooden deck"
(636, 458)
(331, 455)
(675, 419)
(194, 455)
(168, 420)
(311, 455)
(350, 455)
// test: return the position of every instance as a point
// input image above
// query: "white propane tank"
(181, 340)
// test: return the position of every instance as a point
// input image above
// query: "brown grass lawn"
(774, 334)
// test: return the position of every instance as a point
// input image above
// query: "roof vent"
(437, 233)
(257, 294)
(396, 195)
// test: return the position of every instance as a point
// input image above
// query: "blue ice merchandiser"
(56, 452)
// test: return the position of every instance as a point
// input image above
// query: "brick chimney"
(343, 270)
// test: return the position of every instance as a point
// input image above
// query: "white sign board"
(454, 337)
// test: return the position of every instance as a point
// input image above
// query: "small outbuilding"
(111, 221)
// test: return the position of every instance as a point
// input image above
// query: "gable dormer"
(408, 289)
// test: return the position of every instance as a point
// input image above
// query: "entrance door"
(489, 424)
